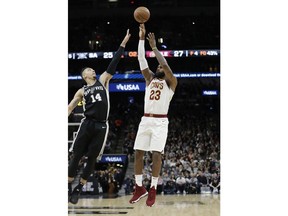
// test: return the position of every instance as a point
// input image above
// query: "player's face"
(159, 72)
(90, 73)
(159, 69)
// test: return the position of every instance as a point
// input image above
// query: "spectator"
(215, 184)
(181, 184)
(202, 181)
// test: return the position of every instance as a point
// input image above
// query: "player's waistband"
(155, 115)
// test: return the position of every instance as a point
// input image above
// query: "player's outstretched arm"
(169, 76)
(107, 75)
(148, 75)
(77, 98)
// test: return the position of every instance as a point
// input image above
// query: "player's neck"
(160, 79)
(90, 82)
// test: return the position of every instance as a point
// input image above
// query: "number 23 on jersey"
(155, 95)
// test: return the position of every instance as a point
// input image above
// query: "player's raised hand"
(151, 39)
(142, 31)
(126, 38)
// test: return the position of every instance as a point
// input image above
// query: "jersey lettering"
(156, 85)
(96, 104)
(155, 95)
(96, 98)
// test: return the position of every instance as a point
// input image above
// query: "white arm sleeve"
(141, 55)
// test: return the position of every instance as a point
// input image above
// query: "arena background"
(38, 30)
(189, 37)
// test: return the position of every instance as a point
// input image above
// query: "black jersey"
(96, 102)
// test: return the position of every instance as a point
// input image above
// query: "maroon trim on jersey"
(155, 115)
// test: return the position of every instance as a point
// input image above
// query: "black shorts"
(91, 138)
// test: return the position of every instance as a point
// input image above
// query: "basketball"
(141, 14)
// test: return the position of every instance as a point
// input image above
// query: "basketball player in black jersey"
(93, 130)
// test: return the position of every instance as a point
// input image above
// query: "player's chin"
(160, 75)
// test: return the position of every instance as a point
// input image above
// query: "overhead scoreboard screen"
(149, 54)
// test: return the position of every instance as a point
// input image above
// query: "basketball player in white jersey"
(153, 128)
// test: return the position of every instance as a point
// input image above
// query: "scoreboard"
(184, 53)
(148, 54)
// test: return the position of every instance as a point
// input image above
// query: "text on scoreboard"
(149, 54)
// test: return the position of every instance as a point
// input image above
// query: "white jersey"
(157, 97)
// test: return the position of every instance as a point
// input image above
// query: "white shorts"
(152, 134)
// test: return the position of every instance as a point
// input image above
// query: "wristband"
(154, 48)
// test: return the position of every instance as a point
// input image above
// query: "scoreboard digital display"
(148, 54)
